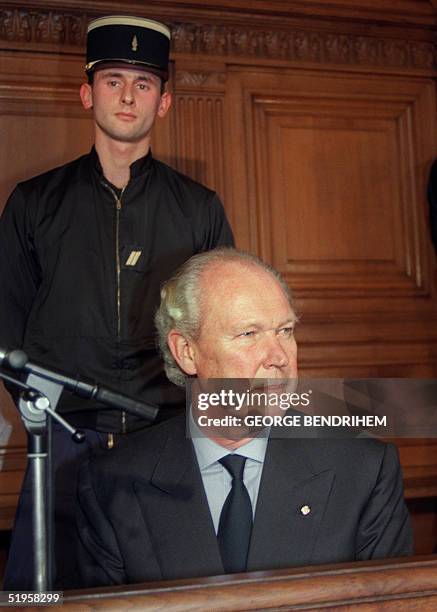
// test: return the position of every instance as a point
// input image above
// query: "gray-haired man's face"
(247, 327)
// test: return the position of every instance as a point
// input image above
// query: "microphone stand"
(37, 403)
(38, 399)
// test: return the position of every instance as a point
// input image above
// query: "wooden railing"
(399, 584)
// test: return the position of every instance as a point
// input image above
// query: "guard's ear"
(183, 352)
(164, 104)
(86, 95)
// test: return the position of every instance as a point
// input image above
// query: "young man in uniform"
(84, 249)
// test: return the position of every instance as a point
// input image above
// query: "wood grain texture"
(200, 139)
(388, 585)
(329, 180)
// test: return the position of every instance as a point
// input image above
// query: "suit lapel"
(298, 495)
(176, 512)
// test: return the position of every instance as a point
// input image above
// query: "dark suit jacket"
(144, 514)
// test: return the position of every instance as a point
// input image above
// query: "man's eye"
(247, 334)
(113, 83)
(143, 86)
(287, 331)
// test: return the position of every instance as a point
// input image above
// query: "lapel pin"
(305, 510)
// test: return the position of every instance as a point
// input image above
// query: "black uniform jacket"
(81, 267)
(144, 514)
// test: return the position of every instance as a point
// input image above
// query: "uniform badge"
(133, 258)
(134, 44)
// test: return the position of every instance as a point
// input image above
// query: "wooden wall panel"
(331, 190)
(41, 119)
(199, 93)
(202, 157)
(329, 179)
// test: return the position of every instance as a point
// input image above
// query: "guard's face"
(125, 103)
(247, 328)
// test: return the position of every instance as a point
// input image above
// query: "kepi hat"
(131, 40)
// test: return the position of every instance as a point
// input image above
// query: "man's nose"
(127, 96)
(276, 356)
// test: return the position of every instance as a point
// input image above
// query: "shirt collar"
(209, 452)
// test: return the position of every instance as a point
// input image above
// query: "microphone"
(18, 360)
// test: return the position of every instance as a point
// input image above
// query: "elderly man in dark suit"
(166, 506)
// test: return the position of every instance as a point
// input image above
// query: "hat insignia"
(134, 44)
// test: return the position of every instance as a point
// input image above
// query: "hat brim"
(115, 63)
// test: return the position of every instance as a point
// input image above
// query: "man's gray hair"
(181, 300)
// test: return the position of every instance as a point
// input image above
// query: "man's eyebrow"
(252, 323)
(247, 323)
(120, 75)
(111, 74)
(145, 77)
(290, 321)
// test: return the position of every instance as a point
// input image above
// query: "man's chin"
(125, 134)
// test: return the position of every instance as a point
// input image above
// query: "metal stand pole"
(37, 461)
(35, 407)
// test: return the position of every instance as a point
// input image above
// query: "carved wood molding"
(196, 79)
(21, 26)
(200, 78)
(26, 26)
(302, 45)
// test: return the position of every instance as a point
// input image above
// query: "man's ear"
(182, 350)
(86, 95)
(164, 104)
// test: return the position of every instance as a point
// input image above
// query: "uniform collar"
(140, 167)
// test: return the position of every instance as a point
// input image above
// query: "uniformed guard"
(84, 249)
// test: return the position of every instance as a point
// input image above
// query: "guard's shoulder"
(53, 176)
(181, 181)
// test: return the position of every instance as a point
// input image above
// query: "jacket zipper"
(118, 206)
